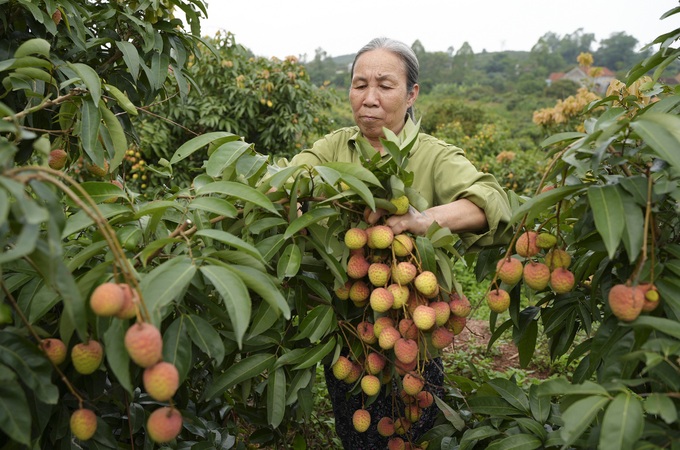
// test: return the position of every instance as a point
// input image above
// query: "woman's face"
(378, 94)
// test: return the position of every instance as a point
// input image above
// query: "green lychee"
(361, 420)
(557, 258)
(424, 317)
(355, 238)
(400, 294)
(401, 203)
(370, 385)
(86, 357)
(498, 300)
(381, 323)
(426, 283)
(546, 240)
(379, 236)
(402, 245)
(341, 368)
(381, 300)
(403, 273)
(379, 274)
(54, 349)
(83, 423)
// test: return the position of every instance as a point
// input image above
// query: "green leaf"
(662, 133)
(532, 427)
(90, 78)
(354, 170)
(166, 283)
(289, 262)
(205, 337)
(622, 424)
(238, 190)
(511, 393)
(156, 207)
(578, 417)
(33, 47)
(562, 386)
(492, 405)
(516, 442)
(116, 136)
(262, 284)
(122, 99)
(471, 436)
(225, 156)
(608, 210)
(197, 143)
(15, 415)
(99, 191)
(452, 416)
(315, 354)
(313, 216)
(30, 365)
(177, 346)
(90, 118)
(246, 368)
(667, 326)
(24, 245)
(633, 230)
(117, 355)
(545, 201)
(316, 323)
(540, 405)
(300, 381)
(234, 295)
(276, 396)
(130, 56)
(231, 240)
(661, 405)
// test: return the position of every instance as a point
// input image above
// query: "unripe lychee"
(164, 424)
(354, 373)
(361, 419)
(546, 240)
(402, 426)
(375, 362)
(406, 350)
(54, 349)
(400, 294)
(441, 338)
(381, 323)
(96, 170)
(498, 300)
(370, 385)
(381, 300)
(107, 299)
(536, 275)
(379, 274)
(651, 297)
(144, 344)
(509, 270)
(442, 312)
(402, 245)
(83, 423)
(388, 338)
(341, 368)
(426, 284)
(424, 399)
(526, 244)
(386, 427)
(424, 317)
(626, 302)
(557, 258)
(412, 383)
(357, 266)
(86, 357)
(403, 273)
(401, 204)
(457, 324)
(129, 308)
(379, 236)
(161, 381)
(342, 292)
(57, 159)
(412, 412)
(460, 305)
(408, 329)
(561, 280)
(359, 292)
(355, 238)
(365, 332)
(396, 443)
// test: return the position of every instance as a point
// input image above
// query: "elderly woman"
(469, 202)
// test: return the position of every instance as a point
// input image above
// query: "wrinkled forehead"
(380, 64)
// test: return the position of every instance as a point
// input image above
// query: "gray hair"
(404, 52)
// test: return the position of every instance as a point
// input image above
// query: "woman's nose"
(372, 97)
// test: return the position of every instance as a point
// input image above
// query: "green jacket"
(442, 174)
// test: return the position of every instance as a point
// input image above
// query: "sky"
(299, 27)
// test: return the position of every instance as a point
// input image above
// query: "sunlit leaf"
(608, 211)
(622, 423)
(578, 417)
(166, 283)
(240, 191)
(314, 216)
(662, 133)
(198, 143)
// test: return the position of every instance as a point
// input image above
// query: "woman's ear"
(413, 95)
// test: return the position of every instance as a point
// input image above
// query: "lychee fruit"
(526, 244)
(107, 299)
(403, 273)
(401, 203)
(379, 236)
(651, 297)
(57, 159)
(403, 368)
(546, 240)
(381, 300)
(361, 419)
(402, 245)
(498, 300)
(408, 329)
(144, 344)
(509, 270)
(406, 350)
(354, 373)
(83, 423)
(370, 385)
(366, 333)
(442, 312)
(381, 323)
(129, 308)
(386, 427)
(536, 275)
(359, 292)
(561, 280)
(355, 238)
(341, 368)
(357, 267)
(460, 305)
(375, 363)
(557, 258)
(424, 399)
(402, 426)
(412, 383)
(400, 294)
(379, 274)
(161, 381)
(342, 292)
(54, 349)
(412, 412)
(96, 170)
(442, 337)
(396, 443)
(424, 317)
(426, 283)
(457, 324)
(626, 302)
(164, 424)
(86, 357)
(388, 338)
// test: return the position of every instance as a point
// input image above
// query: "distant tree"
(462, 62)
(571, 45)
(618, 52)
(322, 68)
(544, 55)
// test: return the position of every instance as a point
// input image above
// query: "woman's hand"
(413, 221)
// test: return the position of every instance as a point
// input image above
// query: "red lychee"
(424, 317)
(370, 385)
(460, 305)
(403, 273)
(386, 427)
(161, 381)
(96, 170)
(442, 312)
(388, 338)
(509, 270)
(536, 275)
(164, 424)
(107, 299)
(381, 300)
(379, 236)
(57, 159)
(457, 324)
(412, 383)
(406, 350)
(359, 292)
(366, 333)
(129, 308)
(354, 373)
(144, 344)
(355, 238)
(86, 357)
(424, 399)
(626, 302)
(408, 329)
(498, 300)
(396, 443)
(442, 337)
(403, 368)
(361, 419)
(381, 323)
(402, 426)
(83, 423)
(357, 267)
(526, 244)
(426, 283)
(412, 412)
(54, 349)
(561, 280)
(342, 292)
(402, 245)
(375, 363)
